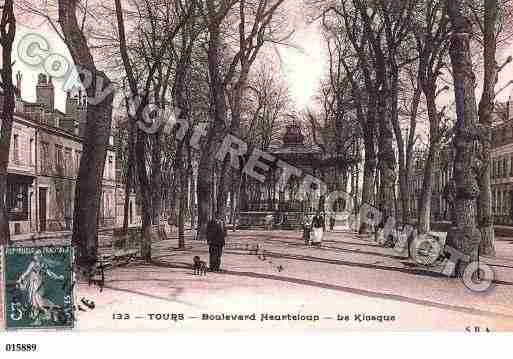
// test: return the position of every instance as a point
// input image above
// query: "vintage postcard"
(256, 165)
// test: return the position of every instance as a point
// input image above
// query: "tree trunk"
(204, 191)
(180, 169)
(156, 178)
(146, 196)
(8, 31)
(369, 168)
(227, 173)
(130, 175)
(98, 128)
(427, 191)
(486, 108)
(386, 202)
(465, 236)
(223, 183)
(182, 198)
(192, 202)
(216, 130)
(427, 184)
(405, 154)
(126, 207)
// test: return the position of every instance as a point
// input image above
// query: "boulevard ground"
(350, 277)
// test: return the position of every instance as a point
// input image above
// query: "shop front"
(19, 201)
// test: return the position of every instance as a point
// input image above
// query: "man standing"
(216, 233)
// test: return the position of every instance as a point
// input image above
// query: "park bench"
(123, 250)
(250, 248)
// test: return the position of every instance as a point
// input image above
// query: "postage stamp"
(38, 287)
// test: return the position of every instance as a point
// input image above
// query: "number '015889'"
(20, 347)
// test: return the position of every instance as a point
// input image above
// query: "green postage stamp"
(38, 287)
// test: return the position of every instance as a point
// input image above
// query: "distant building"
(501, 172)
(46, 147)
(442, 172)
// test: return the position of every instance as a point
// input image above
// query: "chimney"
(72, 104)
(82, 115)
(19, 77)
(45, 92)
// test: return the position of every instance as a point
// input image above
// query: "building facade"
(46, 147)
(442, 172)
(501, 172)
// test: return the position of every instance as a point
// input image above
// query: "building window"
(111, 168)
(502, 202)
(77, 162)
(17, 201)
(45, 157)
(59, 167)
(16, 148)
(32, 152)
(68, 162)
(107, 205)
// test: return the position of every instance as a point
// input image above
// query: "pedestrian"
(318, 225)
(332, 223)
(194, 233)
(307, 227)
(216, 233)
(269, 222)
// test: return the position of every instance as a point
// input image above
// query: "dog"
(200, 267)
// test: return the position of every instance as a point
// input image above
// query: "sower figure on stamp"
(216, 233)
(32, 282)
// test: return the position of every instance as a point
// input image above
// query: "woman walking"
(318, 229)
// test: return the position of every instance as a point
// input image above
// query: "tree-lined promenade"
(392, 69)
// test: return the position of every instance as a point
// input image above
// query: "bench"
(124, 249)
(250, 248)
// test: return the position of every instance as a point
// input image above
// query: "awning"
(20, 178)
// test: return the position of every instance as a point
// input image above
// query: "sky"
(56, 48)
(302, 65)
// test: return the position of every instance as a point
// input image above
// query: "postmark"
(38, 287)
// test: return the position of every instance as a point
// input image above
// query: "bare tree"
(98, 127)
(352, 46)
(149, 101)
(182, 94)
(431, 33)
(213, 15)
(7, 32)
(464, 234)
(256, 27)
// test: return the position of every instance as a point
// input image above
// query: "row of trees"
(389, 62)
(203, 60)
(390, 66)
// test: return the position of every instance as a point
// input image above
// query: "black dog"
(200, 267)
